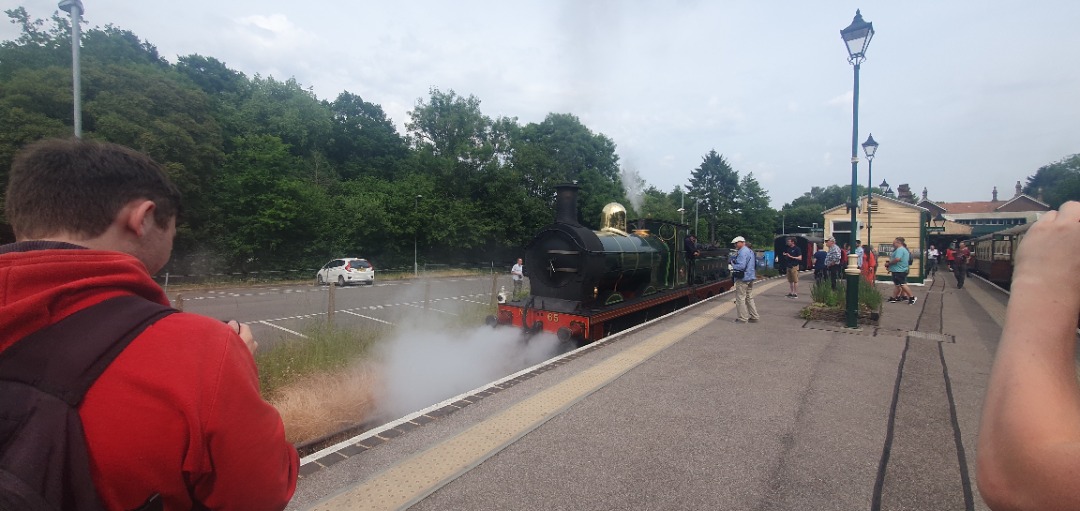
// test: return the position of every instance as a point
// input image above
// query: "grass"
(327, 349)
(330, 380)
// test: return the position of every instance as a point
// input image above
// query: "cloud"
(844, 100)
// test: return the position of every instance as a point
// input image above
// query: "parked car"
(347, 270)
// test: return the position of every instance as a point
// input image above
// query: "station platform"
(698, 412)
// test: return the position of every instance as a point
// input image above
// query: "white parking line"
(431, 309)
(472, 301)
(283, 328)
(366, 317)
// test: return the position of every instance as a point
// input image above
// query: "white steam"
(421, 367)
(634, 187)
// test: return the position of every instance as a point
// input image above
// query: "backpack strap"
(67, 357)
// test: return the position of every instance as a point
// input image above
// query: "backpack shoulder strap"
(66, 358)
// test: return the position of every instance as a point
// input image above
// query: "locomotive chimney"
(566, 204)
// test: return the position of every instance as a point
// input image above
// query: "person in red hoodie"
(178, 413)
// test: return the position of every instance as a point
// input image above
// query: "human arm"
(253, 465)
(1028, 453)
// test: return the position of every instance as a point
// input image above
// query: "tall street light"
(869, 148)
(415, 267)
(857, 37)
(75, 8)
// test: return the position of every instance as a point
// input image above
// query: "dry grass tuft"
(322, 403)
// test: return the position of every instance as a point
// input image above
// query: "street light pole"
(857, 37)
(415, 266)
(869, 148)
(75, 8)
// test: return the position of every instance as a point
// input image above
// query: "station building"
(888, 218)
(985, 217)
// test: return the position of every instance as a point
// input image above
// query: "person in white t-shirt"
(932, 255)
(517, 274)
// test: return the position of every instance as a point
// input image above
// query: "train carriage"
(994, 254)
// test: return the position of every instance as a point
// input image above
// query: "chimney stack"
(1019, 189)
(924, 193)
(566, 204)
(995, 194)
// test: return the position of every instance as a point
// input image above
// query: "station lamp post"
(886, 190)
(857, 37)
(75, 8)
(869, 148)
(415, 266)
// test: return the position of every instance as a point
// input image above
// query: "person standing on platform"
(932, 261)
(820, 268)
(869, 267)
(176, 421)
(832, 261)
(963, 257)
(859, 253)
(898, 266)
(518, 275)
(950, 256)
(1029, 434)
(792, 260)
(744, 274)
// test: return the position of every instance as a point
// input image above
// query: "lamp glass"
(870, 147)
(857, 36)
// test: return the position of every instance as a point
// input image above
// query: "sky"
(962, 96)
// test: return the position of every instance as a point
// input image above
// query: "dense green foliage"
(1057, 182)
(274, 177)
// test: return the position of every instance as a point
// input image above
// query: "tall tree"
(756, 215)
(715, 186)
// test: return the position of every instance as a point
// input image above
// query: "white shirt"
(516, 272)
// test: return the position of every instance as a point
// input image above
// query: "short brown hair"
(78, 187)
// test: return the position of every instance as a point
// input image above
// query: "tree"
(363, 140)
(1057, 182)
(715, 185)
(756, 216)
(266, 216)
(563, 150)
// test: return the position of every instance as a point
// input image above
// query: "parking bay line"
(432, 309)
(421, 475)
(366, 317)
(283, 328)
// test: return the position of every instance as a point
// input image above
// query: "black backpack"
(44, 464)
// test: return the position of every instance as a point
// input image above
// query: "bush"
(869, 297)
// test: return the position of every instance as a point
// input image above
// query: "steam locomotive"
(588, 284)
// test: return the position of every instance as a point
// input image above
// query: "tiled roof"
(959, 208)
(970, 207)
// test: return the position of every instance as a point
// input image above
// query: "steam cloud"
(422, 366)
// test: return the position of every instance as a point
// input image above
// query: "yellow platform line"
(421, 475)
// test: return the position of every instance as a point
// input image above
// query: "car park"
(345, 271)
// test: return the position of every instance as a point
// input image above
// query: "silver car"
(347, 270)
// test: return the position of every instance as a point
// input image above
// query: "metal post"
(869, 197)
(75, 8)
(330, 303)
(415, 267)
(695, 218)
(852, 270)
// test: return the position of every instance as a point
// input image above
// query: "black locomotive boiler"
(587, 284)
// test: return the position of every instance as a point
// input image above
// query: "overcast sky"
(962, 95)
